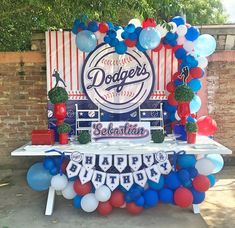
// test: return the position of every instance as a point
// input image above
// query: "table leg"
(50, 201)
(196, 209)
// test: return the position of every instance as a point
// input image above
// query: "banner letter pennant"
(135, 161)
(140, 177)
(153, 173)
(98, 178)
(88, 161)
(73, 169)
(105, 162)
(85, 175)
(112, 180)
(126, 180)
(120, 162)
(164, 167)
(148, 159)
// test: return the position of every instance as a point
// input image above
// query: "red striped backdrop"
(63, 55)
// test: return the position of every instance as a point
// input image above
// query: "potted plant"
(84, 137)
(183, 94)
(58, 96)
(63, 131)
(158, 136)
(191, 129)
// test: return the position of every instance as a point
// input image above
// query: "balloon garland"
(184, 186)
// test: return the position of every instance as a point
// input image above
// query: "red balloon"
(183, 197)
(158, 48)
(149, 22)
(196, 72)
(103, 27)
(173, 124)
(133, 209)
(177, 47)
(104, 208)
(117, 198)
(201, 183)
(130, 43)
(171, 100)
(170, 87)
(82, 189)
(168, 46)
(176, 75)
(206, 126)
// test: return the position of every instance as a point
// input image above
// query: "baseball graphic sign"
(117, 83)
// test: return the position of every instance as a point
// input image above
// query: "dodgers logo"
(117, 83)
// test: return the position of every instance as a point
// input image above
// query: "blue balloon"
(125, 35)
(82, 26)
(150, 198)
(57, 161)
(178, 82)
(192, 33)
(149, 38)
(136, 187)
(178, 20)
(191, 61)
(183, 175)
(180, 53)
(77, 201)
(140, 202)
(93, 26)
(205, 45)
(171, 36)
(140, 48)
(112, 33)
(156, 186)
(169, 108)
(86, 41)
(110, 24)
(172, 180)
(133, 36)
(186, 161)
(198, 197)
(113, 42)
(138, 30)
(128, 197)
(195, 84)
(53, 171)
(130, 28)
(180, 130)
(190, 119)
(172, 117)
(212, 180)
(192, 172)
(38, 177)
(75, 26)
(121, 48)
(217, 160)
(195, 104)
(188, 184)
(48, 163)
(107, 39)
(166, 195)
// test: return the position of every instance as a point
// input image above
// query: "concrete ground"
(20, 207)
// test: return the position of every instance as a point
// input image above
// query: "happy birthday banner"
(83, 166)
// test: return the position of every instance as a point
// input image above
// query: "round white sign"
(117, 83)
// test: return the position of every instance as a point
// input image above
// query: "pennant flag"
(120, 162)
(112, 180)
(98, 178)
(85, 175)
(105, 162)
(88, 161)
(140, 177)
(135, 161)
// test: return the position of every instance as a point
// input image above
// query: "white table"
(204, 145)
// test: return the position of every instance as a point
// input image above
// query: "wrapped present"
(43, 137)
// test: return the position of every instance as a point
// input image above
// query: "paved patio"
(22, 207)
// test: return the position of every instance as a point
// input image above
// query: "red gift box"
(43, 137)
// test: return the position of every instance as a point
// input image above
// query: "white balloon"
(204, 166)
(162, 30)
(119, 33)
(103, 193)
(68, 192)
(136, 22)
(180, 40)
(89, 203)
(181, 30)
(173, 26)
(202, 62)
(59, 182)
(188, 46)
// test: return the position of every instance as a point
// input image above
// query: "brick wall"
(23, 93)
(22, 101)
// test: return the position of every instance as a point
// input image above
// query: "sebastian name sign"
(120, 131)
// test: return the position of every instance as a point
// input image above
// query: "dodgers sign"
(120, 131)
(117, 83)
